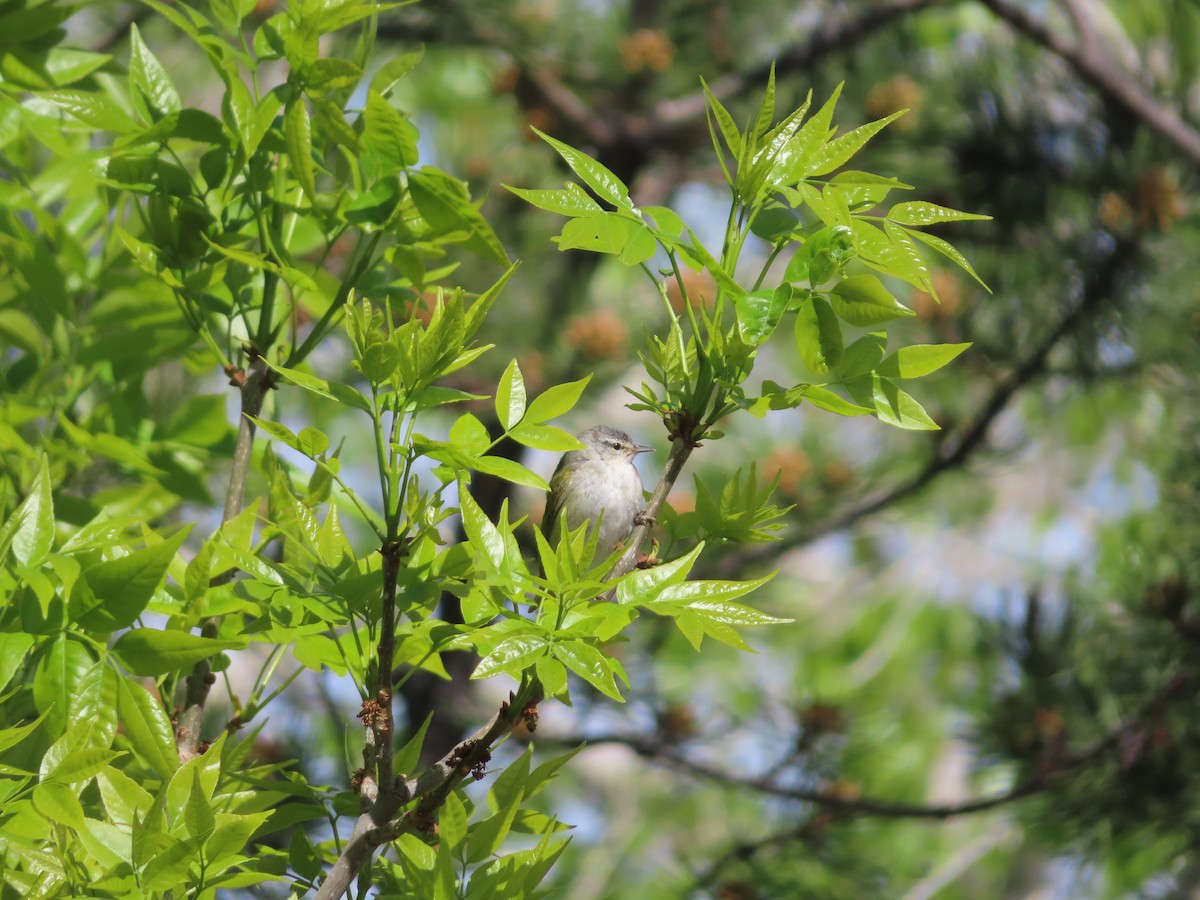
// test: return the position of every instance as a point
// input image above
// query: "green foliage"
(146, 239)
(828, 227)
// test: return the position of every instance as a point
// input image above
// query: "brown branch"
(469, 757)
(1094, 66)
(1053, 772)
(253, 390)
(836, 34)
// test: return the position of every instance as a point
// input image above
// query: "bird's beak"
(639, 448)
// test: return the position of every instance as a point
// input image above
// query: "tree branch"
(469, 757)
(254, 391)
(1095, 67)
(1051, 773)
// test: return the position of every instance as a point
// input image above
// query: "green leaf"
(556, 401)
(297, 134)
(589, 664)
(198, 816)
(544, 437)
(149, 78)
(510, 396)
(667, 220)
(444, 203)
(595, 175)
(818, 335)
(950, 252)
(13, 647)
(759, 312)
(95, 109)
(631, 241)
(729, 130)
(918, 212)
(512, 656)
(485, 538)
(919, 359)
(470, 434)
(570, 201)
(59, 803)
(892, 405)
(121, 588)
(311, 441)
(391, 136)
(30, 531)
(644, 585)
(331, 390)
(510, 470)
(394, 69)
(148, 651)
(862, 356)
(862, 301)
(838, 151)
(825, 399)
(380, 362)
(553, 676)
(452, 823)
(57, 679)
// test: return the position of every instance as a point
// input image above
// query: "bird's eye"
(616, 445)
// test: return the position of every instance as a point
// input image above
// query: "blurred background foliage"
(1002, 610)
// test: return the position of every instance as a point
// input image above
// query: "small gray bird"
(597, 483)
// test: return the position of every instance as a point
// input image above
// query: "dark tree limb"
(1096, 67)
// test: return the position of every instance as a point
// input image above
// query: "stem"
(187, 731)
(681, 449)
(361, 262)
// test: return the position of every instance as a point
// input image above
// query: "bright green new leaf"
(919, 212)
(759, 312)
(643, 586)
(862, 301)
(572, 200)
(122, 587)
(837, 152)
(919, 359)
(818, 335)
(470, 434)
(391, 136)
(13, 647)
(510, 470)
(556, 401)
(595, 175)
(297, 134)
(444, 203)
(544, 437)
(59, 673)
(612, 233)
(892, 405)
(512, 656)
(950, 252)
(510, 396)
(148, 78)
(331, 390)
(149, 651)
(553, 676)
(825, 399)
(30, 531)
(589, 664)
